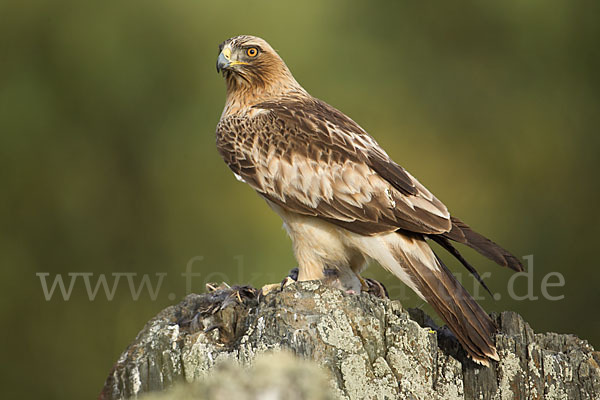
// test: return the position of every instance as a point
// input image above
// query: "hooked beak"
(225, 62)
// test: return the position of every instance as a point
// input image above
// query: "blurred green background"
(108, 164)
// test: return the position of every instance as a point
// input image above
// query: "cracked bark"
(367, 348)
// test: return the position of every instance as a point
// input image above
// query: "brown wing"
(311, 159)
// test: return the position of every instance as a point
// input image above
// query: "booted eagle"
(342, 199)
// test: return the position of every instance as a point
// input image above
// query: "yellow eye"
(252, 52)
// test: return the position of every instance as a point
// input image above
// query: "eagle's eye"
(252, 52)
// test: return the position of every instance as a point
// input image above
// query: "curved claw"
(374, 287)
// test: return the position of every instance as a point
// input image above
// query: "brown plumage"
(343, 200)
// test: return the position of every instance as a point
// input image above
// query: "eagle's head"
(249, 63)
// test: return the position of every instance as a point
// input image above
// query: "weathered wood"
(372, 348)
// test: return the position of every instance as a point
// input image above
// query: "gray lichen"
(371, 348)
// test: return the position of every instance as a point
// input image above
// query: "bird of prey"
(342, 199)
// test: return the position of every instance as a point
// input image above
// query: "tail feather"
(412, 260)
(445, 243)
(463, 233)
(467, 320)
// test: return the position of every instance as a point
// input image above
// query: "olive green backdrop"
(108, 164)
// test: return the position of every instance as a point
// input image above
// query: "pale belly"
(319, 246)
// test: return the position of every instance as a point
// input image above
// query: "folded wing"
(313, 160)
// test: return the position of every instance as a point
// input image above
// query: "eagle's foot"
(291, 278)
(338, 279)
(374, 287)
(288, 280)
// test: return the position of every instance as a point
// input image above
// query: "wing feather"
(309, 158)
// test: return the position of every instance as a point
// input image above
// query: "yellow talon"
(363, 284)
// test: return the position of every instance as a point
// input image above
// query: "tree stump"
(365, 348)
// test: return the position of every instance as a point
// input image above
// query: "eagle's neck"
(243, 94)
